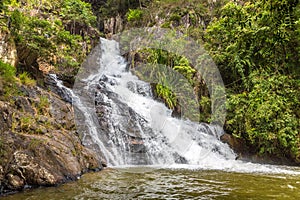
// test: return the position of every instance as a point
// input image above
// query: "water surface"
(180, 183)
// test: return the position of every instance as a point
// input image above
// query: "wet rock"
(179, 159)
(131, 86)
(118, 122)
(51, 82)
(136, 145)
(236, 144)
(28, 58)
(29, 168)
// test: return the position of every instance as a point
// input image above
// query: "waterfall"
(118, 117)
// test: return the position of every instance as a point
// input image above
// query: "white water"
(168, 141)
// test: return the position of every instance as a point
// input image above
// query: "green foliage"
(175, 17)
(253, 37)
(26, 124)
(167, 95)
(79, 11)
(134, 15)
(266, 115)
(43, 105)
(17, 19)
(55, 32)
(176, 62)
(110, 8)
(7, 72)
(7, 81)
(35, 143)
(183, 67)
(1, 6)
(26, 80)
(179, 64)
(205, 109)
(256, 47)
(254, 43)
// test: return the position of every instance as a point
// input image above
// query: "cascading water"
(140, 130)
(118, 117)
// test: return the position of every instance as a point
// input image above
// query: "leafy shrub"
(134, 15)
(205, 109)
(266, 115)
(183, 67)
(167, 95)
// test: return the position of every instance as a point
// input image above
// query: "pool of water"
(171, 183)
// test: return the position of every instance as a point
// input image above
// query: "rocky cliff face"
(38, 142)
(113, 25)
(8, 51)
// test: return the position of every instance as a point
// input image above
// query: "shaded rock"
(5, 117)
(15, 182)
(1, 86)
(248, 153)
(113, 25)
(238, 145)
(1, 173)
(23, 104)
(28, 58)
(51, 82)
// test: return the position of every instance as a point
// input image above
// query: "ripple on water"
(171, 184)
